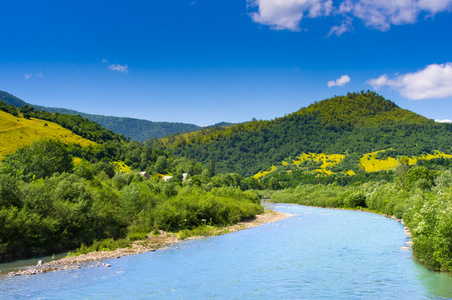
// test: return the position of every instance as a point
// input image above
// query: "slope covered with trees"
(357, 123)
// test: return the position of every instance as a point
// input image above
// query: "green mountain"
(11, 100)
(351, 125)
(136, 129)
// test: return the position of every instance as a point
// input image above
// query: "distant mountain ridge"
(137, 129)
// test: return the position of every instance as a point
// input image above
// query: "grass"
(327, 160)
(263, 173)
(371, 164)
(122, 167)
(18, 131)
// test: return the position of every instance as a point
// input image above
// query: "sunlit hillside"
(18, 131)
(322, 163)
(371, 163)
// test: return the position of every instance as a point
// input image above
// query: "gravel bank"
(152, 243)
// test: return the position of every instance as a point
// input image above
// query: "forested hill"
(354, 124)
(136, 129)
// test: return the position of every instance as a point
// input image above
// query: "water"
(319, 253)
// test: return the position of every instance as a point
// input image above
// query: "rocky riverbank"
(150, 244)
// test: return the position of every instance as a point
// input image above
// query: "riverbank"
(153, 242)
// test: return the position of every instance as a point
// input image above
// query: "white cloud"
(287, 14)
(381, 14)
(104, 61)
(435, 6)
(39, 75)
(444, 121)
(119, 68)
(28, 76)
(344, 27)
(344, 79)
(435, 81)
(378, 14)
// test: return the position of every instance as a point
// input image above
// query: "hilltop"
(350, 125)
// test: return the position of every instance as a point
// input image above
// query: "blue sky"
(207, 61)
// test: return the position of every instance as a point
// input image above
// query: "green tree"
(211, 168)
(39, 160)
(421, 177)
(161, 164)
(9, 193)
(402, 169)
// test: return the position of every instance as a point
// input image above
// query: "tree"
(402, 168)
(9, 193)
(273, 184)
(421, 177)
(160, 164)
(39, 160)
(211, 168)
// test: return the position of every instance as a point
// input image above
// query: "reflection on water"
(318, 253)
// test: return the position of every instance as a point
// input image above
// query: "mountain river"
(316, 254)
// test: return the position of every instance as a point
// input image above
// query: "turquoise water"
(319, 253)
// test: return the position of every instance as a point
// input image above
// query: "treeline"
(48, 204)
(11, 109)
(421, 196)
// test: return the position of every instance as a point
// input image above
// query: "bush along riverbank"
(101, 254)
(52, 199)
(425, 205)
(64, 211)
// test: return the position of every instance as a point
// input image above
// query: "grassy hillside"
(357, 123)
(18, 131)
(137, 129)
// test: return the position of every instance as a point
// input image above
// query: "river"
(318, 253)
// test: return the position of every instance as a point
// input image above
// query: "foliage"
(355, 124)
(41, 159)
(48, 205)
(422, 177)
